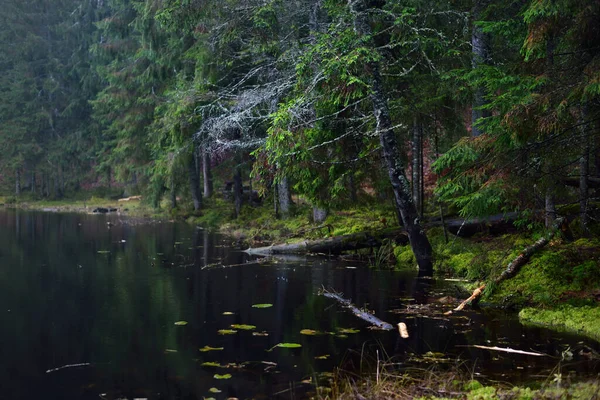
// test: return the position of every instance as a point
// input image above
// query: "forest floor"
(558, 288)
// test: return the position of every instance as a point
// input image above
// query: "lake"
(102, 306)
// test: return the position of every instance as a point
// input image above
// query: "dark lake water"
(105, 292)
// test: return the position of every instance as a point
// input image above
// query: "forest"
(480, 107)
(475, 110)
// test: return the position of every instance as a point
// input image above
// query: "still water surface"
(106, 292)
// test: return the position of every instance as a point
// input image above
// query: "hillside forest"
(474, 107)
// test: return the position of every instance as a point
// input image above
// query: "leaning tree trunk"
(391, 152)
(480, 42)
(195, 183)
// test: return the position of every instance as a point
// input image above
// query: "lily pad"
(170, 351)
(103, 251)
(224, 376)
(309, 332)
(228, 313)
(214, 390)
(226, 331)
(243, 327)
(342, 336)
(260, 333)
(262, 305)
(323, 357)
(348, 330)
(286, 346)
(181, 323)
(211, 364)
(208, 348)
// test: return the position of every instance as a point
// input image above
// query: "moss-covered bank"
(584, 320)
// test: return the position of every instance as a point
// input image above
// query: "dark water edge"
(107, 291)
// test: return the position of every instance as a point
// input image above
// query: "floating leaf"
(342, 336)
(225, 376)
(243, 327)
(263, 333)
(286, 346)
(103, 252)
(348, 330)
(323, 357)
(210, 364)
(214, 390)
(226, 331)
(309, 332)
(262, 305)
(208, 348)
(170, 351)
(228, 313)
(181, 323)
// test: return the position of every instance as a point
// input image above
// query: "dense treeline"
(496, 102)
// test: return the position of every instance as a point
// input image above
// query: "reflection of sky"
(80, 290)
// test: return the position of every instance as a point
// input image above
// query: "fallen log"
(515, 265)
(494, 224)
(335, 245)
(364, 315)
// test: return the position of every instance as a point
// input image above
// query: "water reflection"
(107, 291)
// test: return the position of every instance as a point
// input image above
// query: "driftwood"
(364, 315)
(515, 265)
(508, 350)
(335, 245)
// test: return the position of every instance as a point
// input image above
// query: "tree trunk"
(173, 192)
(18, 182)
(319, 215)
(480, 42)
(238, 190)
(584, 172)
(391, 152)
(285, 197)
(417, 166)
(550, 209)
(195, 183)
(32, 182)
(207, 173)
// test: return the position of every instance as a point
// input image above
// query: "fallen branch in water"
(507, 350)
(515, 265)
(364, 315)
(68, 366)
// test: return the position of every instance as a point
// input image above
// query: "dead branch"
(362, 314)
